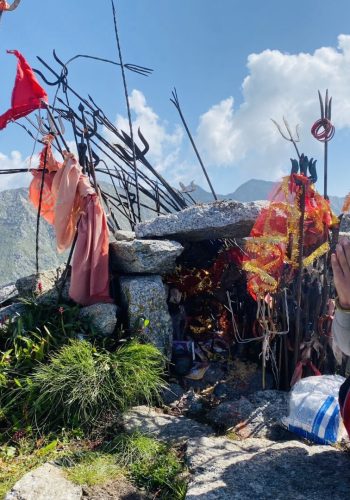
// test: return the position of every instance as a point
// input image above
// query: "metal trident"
(289, 137)
(13, 6)
(323, 130)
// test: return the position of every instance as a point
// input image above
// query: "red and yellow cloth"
(274, 239)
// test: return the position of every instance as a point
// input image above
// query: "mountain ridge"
(254, 190)
(18, 227)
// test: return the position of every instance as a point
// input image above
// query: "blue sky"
(206, 49)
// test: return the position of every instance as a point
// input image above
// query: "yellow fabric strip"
(321, 250)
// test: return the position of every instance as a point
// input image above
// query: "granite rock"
(144, 256)
(8, 292)
(144, 298)
(45, 286)
(10, 311)
(257, 415)
(164, 427)
(221, 219)
(103, 317)
(172, 394)
(45, 483)
(230, 414)
(262, 469)
(122, 235)
(345, 225)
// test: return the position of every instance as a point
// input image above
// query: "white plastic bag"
(314, 411)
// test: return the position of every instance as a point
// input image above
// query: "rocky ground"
(228, 467)
(235, 448)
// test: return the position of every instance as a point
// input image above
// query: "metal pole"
(129, 112)
(176, 103)
(300, 276)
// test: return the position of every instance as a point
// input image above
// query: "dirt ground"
(119, 489)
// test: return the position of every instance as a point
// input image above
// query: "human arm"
(341, 273)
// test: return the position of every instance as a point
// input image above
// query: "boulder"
(103, 317)
(144, 256)
(13, 310)
(172, 393)
(164, 427)
(221, 219)
(45, 286)
(144, 298)
(192, 404)
(122, 235)
(231, 413)
(8, 292)
(257, 415)
(46, 482)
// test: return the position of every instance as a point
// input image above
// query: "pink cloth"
(71, 204)
(68, 202)
(90, 278)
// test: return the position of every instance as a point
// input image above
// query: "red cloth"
(27, 94)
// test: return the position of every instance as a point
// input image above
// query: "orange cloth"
(48, 201)
(70, 204)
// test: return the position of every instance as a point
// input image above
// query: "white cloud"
(14, 161)
(164, 145)
(277, 85)
(167, 153)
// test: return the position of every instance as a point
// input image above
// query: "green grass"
(146, 462)
(233, 436)
(152, 465)
(81, 383)
(30, 336)
(95, 468)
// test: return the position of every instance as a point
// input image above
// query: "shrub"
(81, 383)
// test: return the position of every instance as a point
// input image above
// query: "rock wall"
(140, 260)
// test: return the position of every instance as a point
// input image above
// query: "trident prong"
(288, 137)
(52, 127)
(323, 130)
(14, 5)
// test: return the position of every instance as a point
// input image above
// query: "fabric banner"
(27, 94)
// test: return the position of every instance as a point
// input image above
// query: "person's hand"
(341, 271)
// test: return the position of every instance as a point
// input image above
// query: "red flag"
(27, 94)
